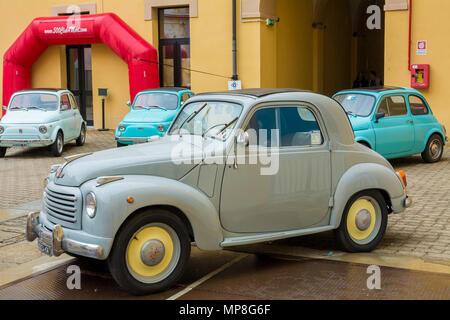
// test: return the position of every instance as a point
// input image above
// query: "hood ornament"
(59, 173)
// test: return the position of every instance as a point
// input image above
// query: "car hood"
(30, 117)
(359, 123)
(158, 158)
(150, 116)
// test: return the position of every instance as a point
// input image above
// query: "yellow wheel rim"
(352, 227)
(135, 248)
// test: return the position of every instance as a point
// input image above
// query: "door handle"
(411, 121)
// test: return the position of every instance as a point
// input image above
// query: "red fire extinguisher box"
(420, 76)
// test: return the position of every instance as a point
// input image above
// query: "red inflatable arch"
(105, 28)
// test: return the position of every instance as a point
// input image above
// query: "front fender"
(113, 208)
(367, 136)
(56, 127)
(364, 176)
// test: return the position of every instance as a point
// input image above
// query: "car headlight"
(91, 205)
(2, 130)
(122, 128)
(43, 129)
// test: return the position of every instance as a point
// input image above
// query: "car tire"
(120, 145)
(434, 149)
(82, 137)
(57, 147)
(163, 236)
(363, 222)
(3, 152)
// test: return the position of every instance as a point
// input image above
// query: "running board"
(239, 241)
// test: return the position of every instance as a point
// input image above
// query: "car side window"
(262, 128)
(393, 106)
(299, 127)
(73, 102)
(65, 102)
(418, 106)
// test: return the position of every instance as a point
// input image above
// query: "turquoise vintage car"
(394, 121)
(151, 114)
(235, 168)
(42, 117)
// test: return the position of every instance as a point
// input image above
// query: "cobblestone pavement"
(423, 231)
(22, 173)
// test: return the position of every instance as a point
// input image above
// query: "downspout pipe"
(235, 75)
(410, 34)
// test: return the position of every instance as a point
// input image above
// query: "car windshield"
(156, 100)
(34, 101)
(215, 118)
(356, 104)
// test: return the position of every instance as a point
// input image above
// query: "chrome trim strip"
(142, 140)
(101, 181)
(25, 141)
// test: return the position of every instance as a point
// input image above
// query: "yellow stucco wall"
(431, 23)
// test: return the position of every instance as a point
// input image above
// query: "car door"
(394, 133)
(67, 117)
(77, 118)
(423, 120)
(284, 181)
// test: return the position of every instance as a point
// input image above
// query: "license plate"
(44, 248)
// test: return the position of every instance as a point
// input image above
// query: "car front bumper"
(132, 140)
(54, 243)
(400, 204)
(5, 142)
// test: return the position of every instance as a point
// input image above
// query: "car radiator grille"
(62, 206)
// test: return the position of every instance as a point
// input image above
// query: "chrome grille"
(62, 205)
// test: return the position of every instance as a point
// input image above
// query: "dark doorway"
(174, 47)
(79, 79)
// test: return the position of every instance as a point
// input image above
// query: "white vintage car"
(42, 117)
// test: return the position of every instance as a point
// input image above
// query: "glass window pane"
(299, 127)
(397, 106)
(263, 126)
(168, 63)
(174, 23)
(185, 55)
(73, 69)
(384, 107)
(418, 106)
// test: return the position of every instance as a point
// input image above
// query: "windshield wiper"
(19, 108)
(158, 107)
(192, 116)
(226, 126)
(39, 108)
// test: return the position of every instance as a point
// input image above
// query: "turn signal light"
(402, 176)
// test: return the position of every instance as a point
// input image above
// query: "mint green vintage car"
(41, 118)
(235, 169)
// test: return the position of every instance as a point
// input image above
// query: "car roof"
(377, 91)
(254, 92)
(172, 89)
(43, 89)
(334, 116)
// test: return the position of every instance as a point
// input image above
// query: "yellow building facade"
(317, 45)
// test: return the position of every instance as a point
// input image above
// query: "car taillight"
(402, 175)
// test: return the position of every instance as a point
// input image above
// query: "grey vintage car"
(235, 168)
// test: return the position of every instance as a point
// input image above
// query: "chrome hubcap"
(435, 149)
(59, 144)
(363, 220)
(152, 252)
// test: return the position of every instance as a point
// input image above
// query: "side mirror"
(129, 103)
(379, 115)
(243, 139)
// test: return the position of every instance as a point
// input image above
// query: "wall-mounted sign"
(422, 48)
(234, 85)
